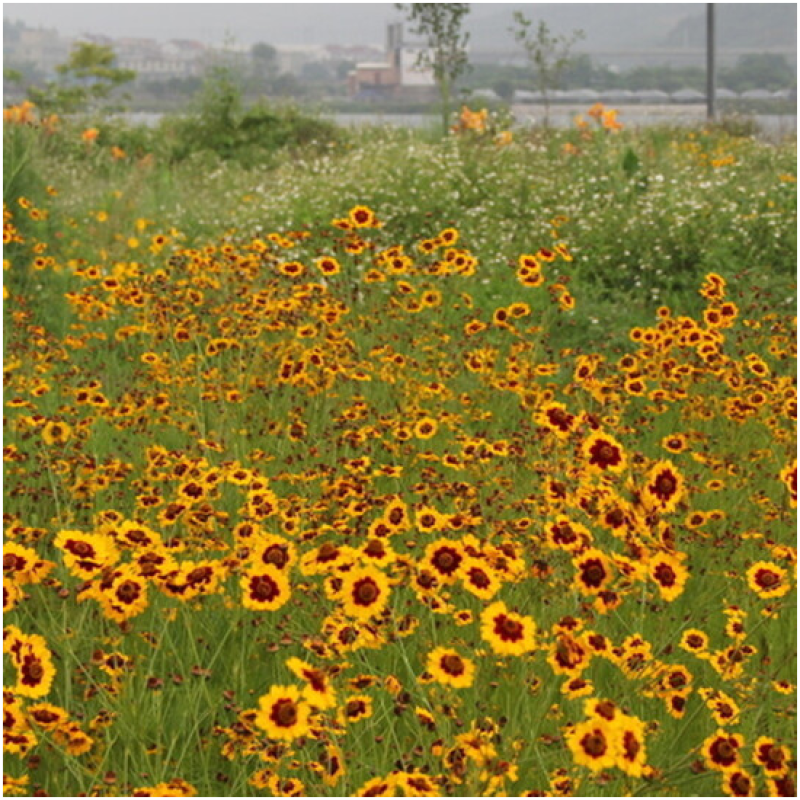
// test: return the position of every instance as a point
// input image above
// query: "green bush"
(252, 137)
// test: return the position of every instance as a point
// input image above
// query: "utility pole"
(710, 67)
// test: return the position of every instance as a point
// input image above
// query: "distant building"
(152, 60)
(42, 47)
(293, 57)
(396, 76)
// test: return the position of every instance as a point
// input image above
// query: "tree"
(549, 55)
(88, 77)
(265, 60)
(446, 53)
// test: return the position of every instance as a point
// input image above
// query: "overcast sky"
(247, 23)
(606, 25)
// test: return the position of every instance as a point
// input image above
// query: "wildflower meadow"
(395, 465)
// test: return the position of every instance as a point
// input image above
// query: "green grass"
(645, 214)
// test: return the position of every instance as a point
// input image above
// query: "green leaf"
(630, 162)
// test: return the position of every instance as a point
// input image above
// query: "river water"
(772, 126)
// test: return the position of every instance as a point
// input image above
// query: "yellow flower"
(768, 580)
(669, 573)
(447, 667)
(507, 633)
(56, 433)
(265, 587)
(283, 714)
(592, 744)
(365, 592)
(319, 691)
(34, 664)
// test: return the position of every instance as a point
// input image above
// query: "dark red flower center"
(452, 664)
(263, 588)
(128, 591)
(509, 630)
(366, 592)
(284, 713)
(594, 744)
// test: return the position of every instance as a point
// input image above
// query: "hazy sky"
(247, 23)
(617, 25)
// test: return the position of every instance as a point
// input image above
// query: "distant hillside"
(638, 26)
(607, 26)
(750, 25)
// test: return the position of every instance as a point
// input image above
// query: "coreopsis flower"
(507, 632)
(363, 217)
(721, 750)
(772, 757)
(47, 716)
(564, 534)
(34, 665)
(15, 787)
(669, 574)
(265, 587)
(377, 787)
(479, 578)
(593, 571)
(396, 516)
(283, 713)
(193, 578)
(426, 428)
(629, 734)
(122, 594)
(355, 708)
(55, 432)
(738, 783)
(768, 580)
(664, 488)
(319, 690)
(23, 565)
(569, 655)
(86, 554)
(443, 558)
(694, 641)
(592, 744)
(555, 417)
(364, 593)
(449, 668)
(328, 265)
(603, 453)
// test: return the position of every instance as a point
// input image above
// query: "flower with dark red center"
(283, 714)
(772, 757)
(593, 571)
(568, 656)
(444, 558)
(34, 664)
(603, 453)
(767, 580)
(265, 587)
(591, 744)
(738, 783)
(507, 633)
(664, 488)
(447, 667)
(479, 579)
(669, 574)
(319, 692)
(564, 534)
(365, 592)
(721, 750)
